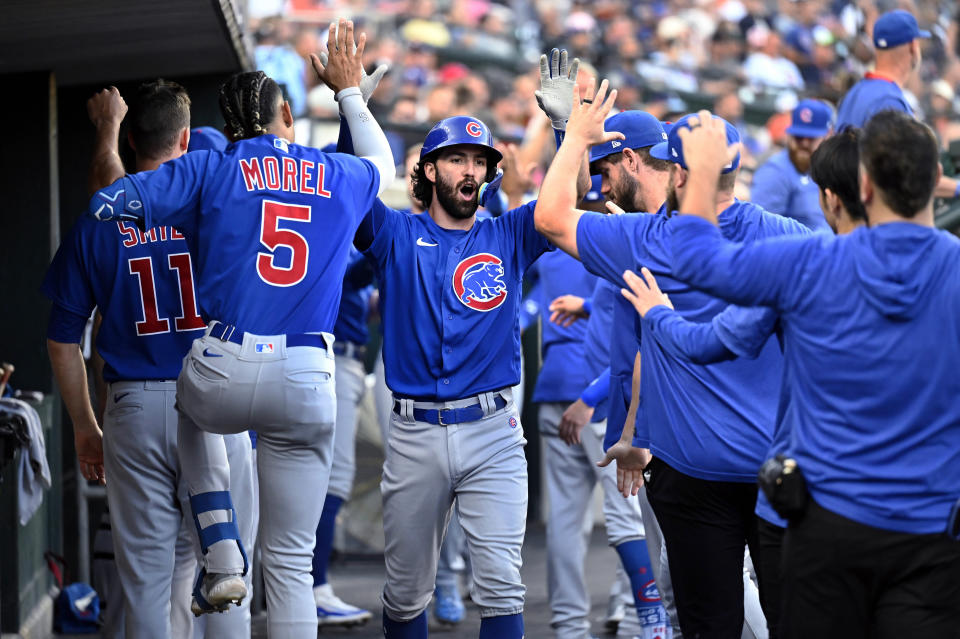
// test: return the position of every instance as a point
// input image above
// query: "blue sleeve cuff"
(66, 326)
(598, 390)
(558, 136)
(588, 305)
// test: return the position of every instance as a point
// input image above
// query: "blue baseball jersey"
(779, 188)
(562, 374)
(269, 224)
(596, 342)
(623, 352)
(870, 323)
(714, 421)
(351, 323)
(143, 285)
(450, 299)
(867, 98)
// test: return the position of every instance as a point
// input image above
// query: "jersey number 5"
(189, 319)
(273, 237)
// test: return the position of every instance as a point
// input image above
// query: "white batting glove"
(368, 83)
(555, 96)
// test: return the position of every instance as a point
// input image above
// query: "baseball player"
(835, 166)
(896, 38)
(709, 428)
(269, 223)
(865, 311)
(140, 283)
(782, 184)
(450, 301)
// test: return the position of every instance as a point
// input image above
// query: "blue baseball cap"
(640, 129)
(811, 119)
(206, 138)
(672, 149)
(895, 28)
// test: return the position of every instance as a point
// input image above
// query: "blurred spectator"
(766, 67)
(279, 60)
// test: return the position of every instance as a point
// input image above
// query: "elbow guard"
(119, 201)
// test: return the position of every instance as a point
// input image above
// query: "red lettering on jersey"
(175, 234)
(142, 236)
(130, 231)
(252, 175)
(163, 233)
(152, 234)
(152, 324)
(306, 173)
(289, 174)
(322, 192)
(189, 319)
(274, 237)
(271, 169)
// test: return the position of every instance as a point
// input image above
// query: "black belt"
(449, 416)
(350, 349)
(229, 333)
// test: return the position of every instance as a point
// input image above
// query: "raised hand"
(587, 117)
(644, 293)
(705, 147)
(517, 177)
(344, 65)
(556, 87)
(106, 108)
(567, 309)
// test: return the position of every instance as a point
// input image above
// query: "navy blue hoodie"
(871, 326)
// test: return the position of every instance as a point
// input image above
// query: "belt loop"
(406, 411)
(487, 404)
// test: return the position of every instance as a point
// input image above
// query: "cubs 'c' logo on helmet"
(474, 129)
(478, 282)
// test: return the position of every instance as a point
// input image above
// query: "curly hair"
(248, 102)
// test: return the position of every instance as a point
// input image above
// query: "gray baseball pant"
(287, 396)
(482, 465)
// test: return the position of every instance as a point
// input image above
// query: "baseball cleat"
(448, 606)
(616, 611)
(333, 611)
(217, 592)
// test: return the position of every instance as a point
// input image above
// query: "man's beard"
(448, 195)
(672, 202)
(624, 194)
(800, 160)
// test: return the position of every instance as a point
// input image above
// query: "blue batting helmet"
(460, 129)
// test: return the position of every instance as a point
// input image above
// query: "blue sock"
(416, 628)
(502, 627)
(321, 552)
(636, 561)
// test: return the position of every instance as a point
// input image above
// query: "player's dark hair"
(423, 188)
(248, 102)
(900, 155)
(835, 165)
(159, 111)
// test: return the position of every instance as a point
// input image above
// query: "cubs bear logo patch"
(478, 282)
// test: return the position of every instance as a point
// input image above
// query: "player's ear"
(184, 139)
(680, 178)
(832, 201)
(430, 170)
(286, 113)
(866, 187)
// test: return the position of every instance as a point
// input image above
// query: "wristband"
(588, 305)
(345, 93)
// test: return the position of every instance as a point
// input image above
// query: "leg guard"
(416, 628)
(646, 597)
(209, 535)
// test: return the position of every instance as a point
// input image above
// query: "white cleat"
(333, 611)
(219, 591)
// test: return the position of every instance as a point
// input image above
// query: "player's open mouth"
(468, 191)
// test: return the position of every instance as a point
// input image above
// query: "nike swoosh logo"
(207, 353)
(118, 397)
(420, 242)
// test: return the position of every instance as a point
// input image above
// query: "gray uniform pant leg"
(350, 386)
(140, 460)
(106, 581)
(569, 483)
(483, 464)
(288, 397)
